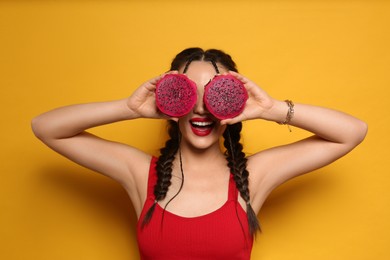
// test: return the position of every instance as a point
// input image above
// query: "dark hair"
(236, 159)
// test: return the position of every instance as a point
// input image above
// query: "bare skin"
(206, 174)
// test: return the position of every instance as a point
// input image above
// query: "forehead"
(200, 67)
(201, 72)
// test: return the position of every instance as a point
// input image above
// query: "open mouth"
(202, 126)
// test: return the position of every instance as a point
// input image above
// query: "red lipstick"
(201, 126)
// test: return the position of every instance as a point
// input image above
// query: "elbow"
(38, 128)
(360, 132)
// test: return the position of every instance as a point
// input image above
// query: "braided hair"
(235, 156)
(164, 168)
(237, 164)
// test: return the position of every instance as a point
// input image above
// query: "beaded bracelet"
(290, 114)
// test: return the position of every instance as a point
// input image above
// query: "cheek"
(182, 125)
(221, 129)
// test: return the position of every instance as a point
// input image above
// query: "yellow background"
(54, 53)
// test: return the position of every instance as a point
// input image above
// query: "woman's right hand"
(143, 100)
(65, 130)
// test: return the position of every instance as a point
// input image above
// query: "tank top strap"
(233, 192)
(152, 178)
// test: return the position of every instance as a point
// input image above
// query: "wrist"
(127, 112)
(289, 115)
(278, 112)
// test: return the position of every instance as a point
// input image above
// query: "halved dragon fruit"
(225, 96)
(176, 95)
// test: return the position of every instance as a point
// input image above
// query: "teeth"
(202, 123)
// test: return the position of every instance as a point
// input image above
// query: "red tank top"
(219, 235)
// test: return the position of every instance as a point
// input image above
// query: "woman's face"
(199, 128)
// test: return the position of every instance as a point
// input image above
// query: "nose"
(200, 107)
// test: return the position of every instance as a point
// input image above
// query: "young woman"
(196, 200)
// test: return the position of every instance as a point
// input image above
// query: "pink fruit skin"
(176, 95)
(225, 96)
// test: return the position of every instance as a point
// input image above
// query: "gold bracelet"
(290, 114)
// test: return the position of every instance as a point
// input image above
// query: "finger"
(225, 122)
(168, 73)
(231, 121)
(161, 115)
(239, 77)
(154, 80)
(176, 119)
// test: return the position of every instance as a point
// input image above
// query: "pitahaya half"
(225, 96)
(176, 95)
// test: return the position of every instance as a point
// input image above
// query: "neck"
(202, 160)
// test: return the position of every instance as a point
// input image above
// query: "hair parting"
(214, 56)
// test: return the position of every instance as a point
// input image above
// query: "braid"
(164, 168)
(237, 164)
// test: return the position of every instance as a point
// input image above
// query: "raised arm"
(64, 130)
(334, 134)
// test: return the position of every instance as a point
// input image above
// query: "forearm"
(331, 125)
(71, 120)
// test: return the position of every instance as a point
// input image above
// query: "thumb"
(230, 121)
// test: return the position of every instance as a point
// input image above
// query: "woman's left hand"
(257, 106)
